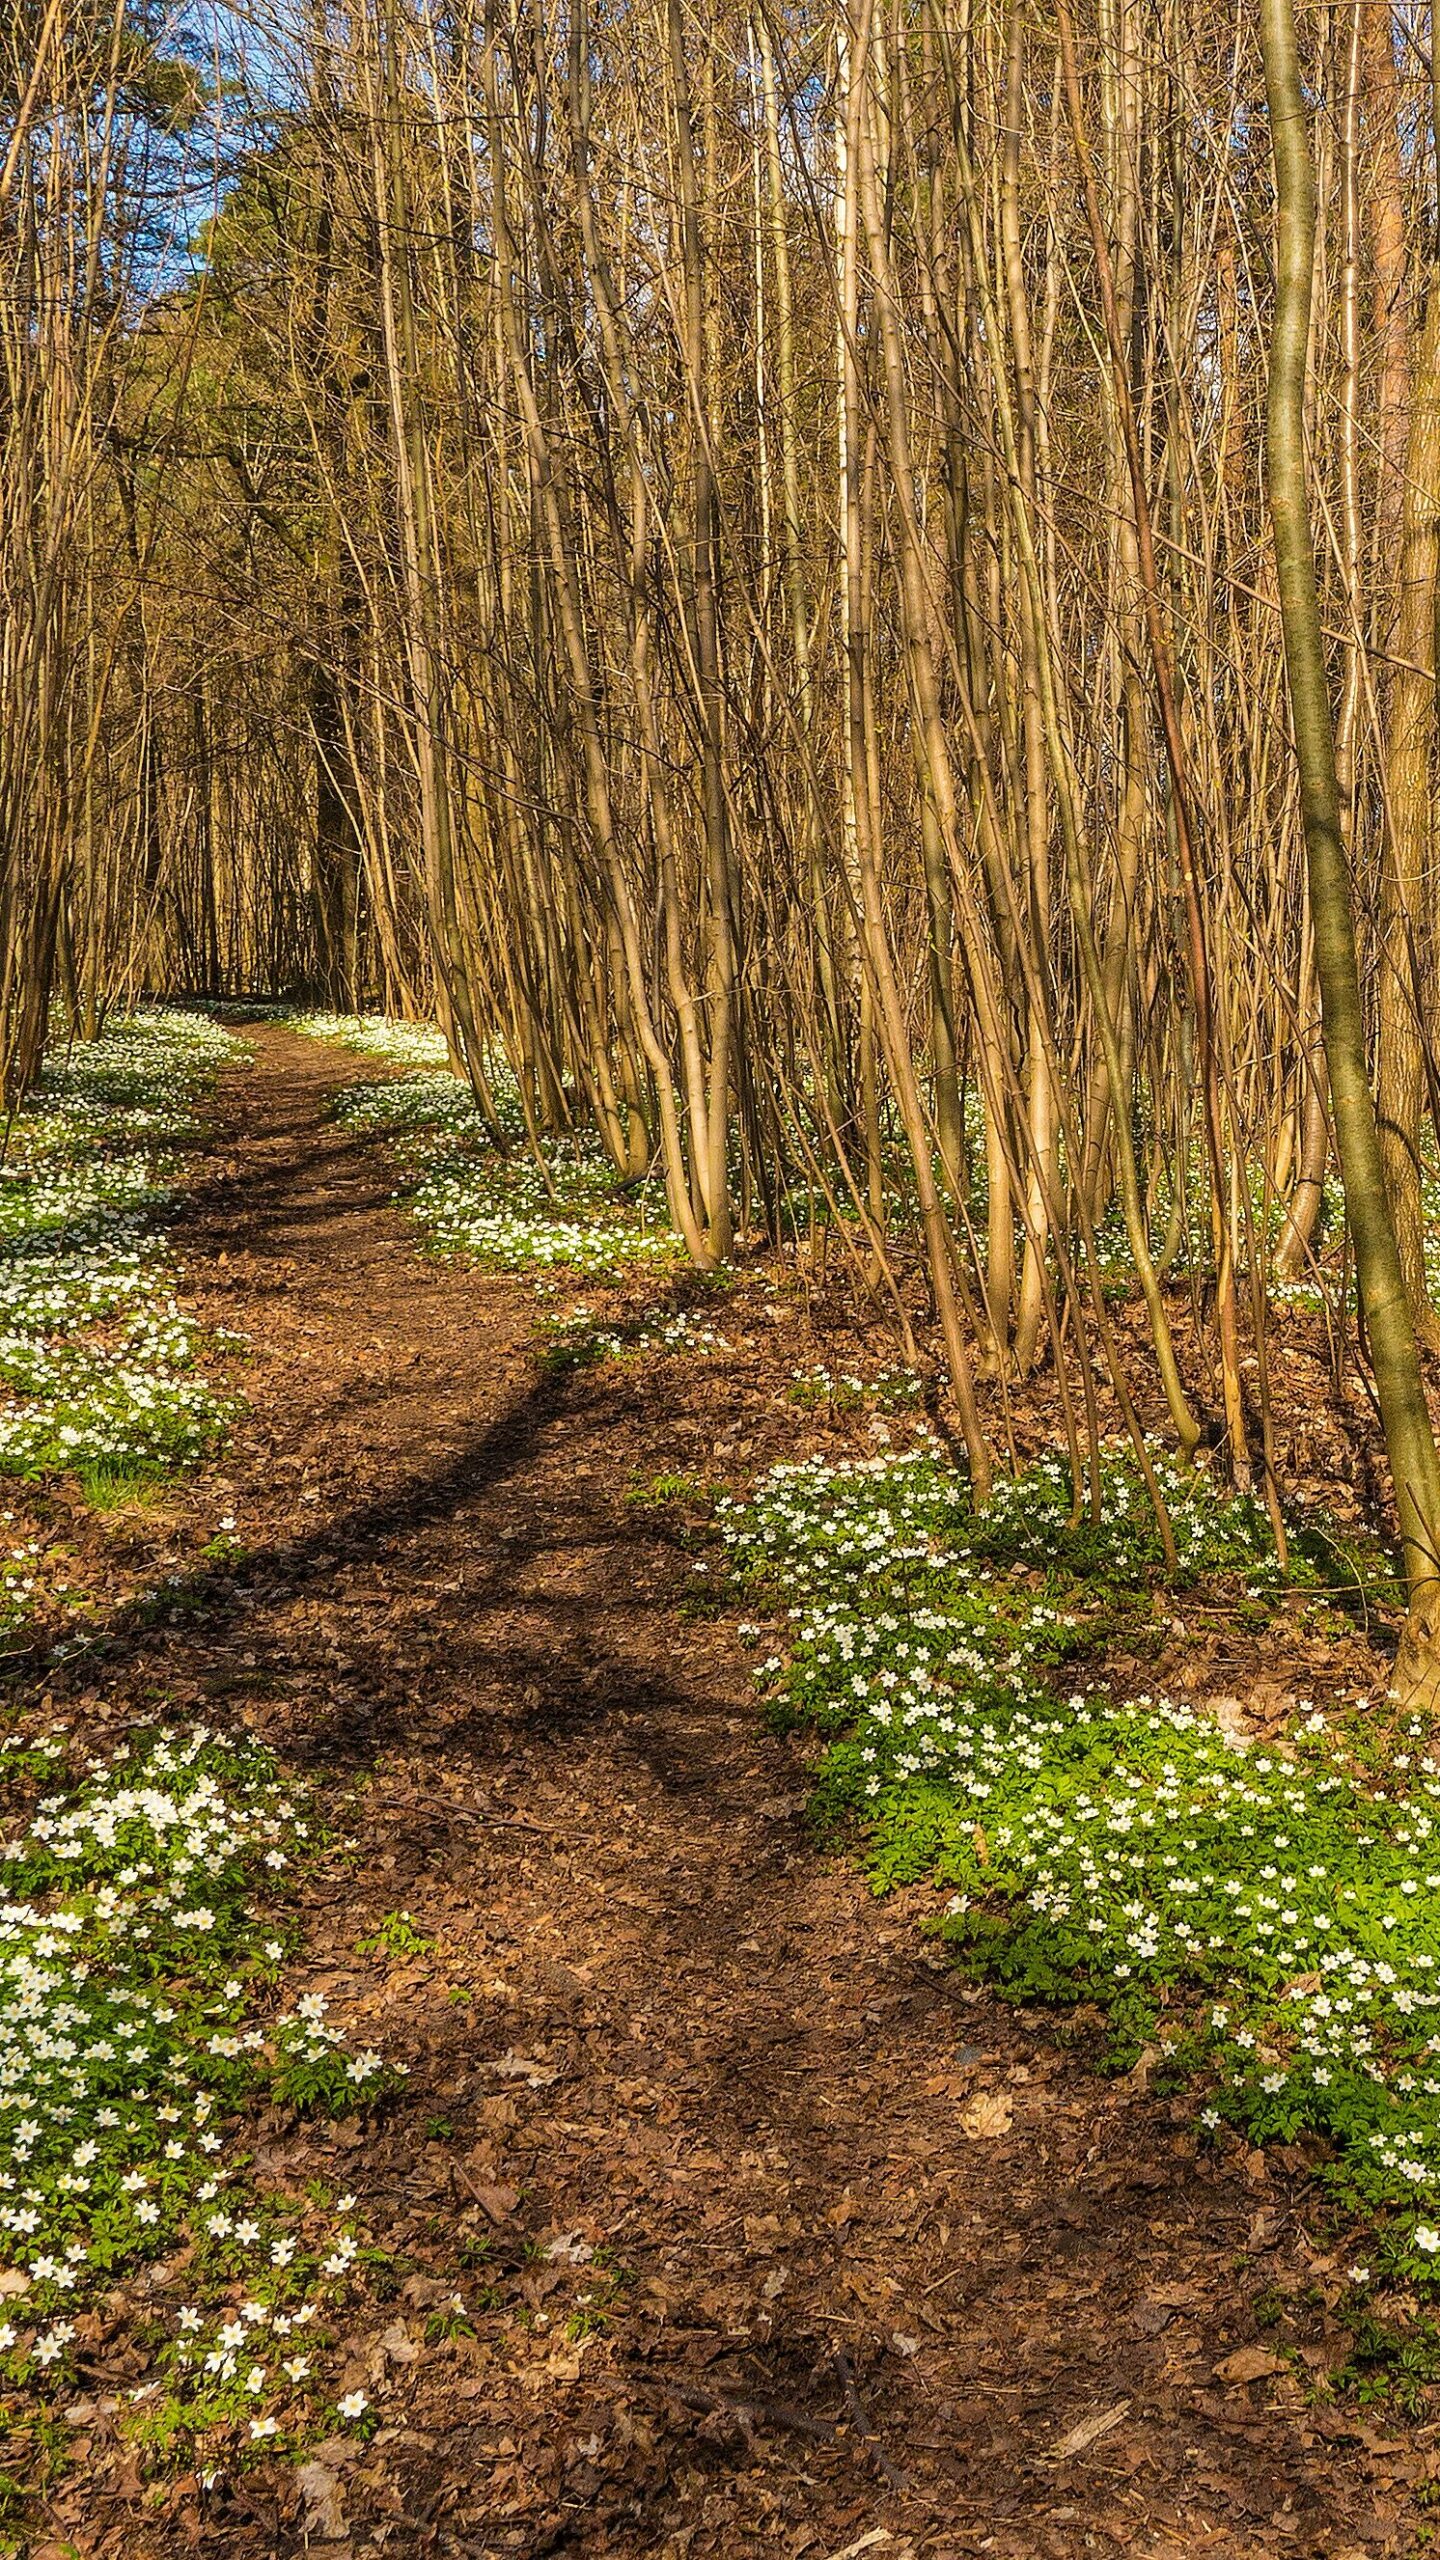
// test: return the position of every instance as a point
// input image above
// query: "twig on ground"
(855, 2406)
(746, 2414)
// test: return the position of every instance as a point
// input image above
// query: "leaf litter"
(687, 2233)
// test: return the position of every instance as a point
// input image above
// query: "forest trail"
(880, 2265)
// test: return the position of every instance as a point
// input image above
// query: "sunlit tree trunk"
(1409, 1437)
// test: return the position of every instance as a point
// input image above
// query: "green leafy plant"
(395, 1935)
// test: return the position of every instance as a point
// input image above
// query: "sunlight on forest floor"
(1263, 1920)
(1255, 1918)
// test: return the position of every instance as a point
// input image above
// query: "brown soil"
(880, 2264)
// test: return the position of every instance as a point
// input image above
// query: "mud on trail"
(777, 2236)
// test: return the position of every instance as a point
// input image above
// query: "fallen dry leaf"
(986, 2116)
(518, 2066)
(1248, 2364)
(498, 2202)
(336, 2452)
(562, 2367)
(571, 2248)
(428, 2293)
(324, 2516)
(398, 2344)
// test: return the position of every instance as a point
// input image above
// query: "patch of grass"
(454, 2322)
(224, 1548)
(607, 2280)
(115, 1484)
(1357, 1572)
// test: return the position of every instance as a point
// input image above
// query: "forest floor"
(777, 2236)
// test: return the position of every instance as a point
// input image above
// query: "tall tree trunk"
(1409, 1436)
(1406, 919)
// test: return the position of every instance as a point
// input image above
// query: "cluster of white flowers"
(132, 1967)
(135, 1971)
(1126, 1847)
(890, 1388)
(253, 2366)
(506, 1210)
(680, 1330)
(22, 1577)
(578, 1337)
(377, 1035)
(46, 1205)
(430, 1103)
(96, 1357)
(310, 2052)
(460, 1213)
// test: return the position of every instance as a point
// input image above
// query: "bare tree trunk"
(1409, 1437)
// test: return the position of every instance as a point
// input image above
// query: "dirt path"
(652, 2023)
